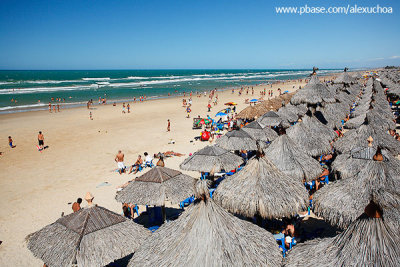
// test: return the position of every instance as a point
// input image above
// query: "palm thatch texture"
(358, 138)
(292, 159)
(237, 140)
(313, 93)
(156, 186)
(345, 78)
(211, 158)
(257, 132)
(343, 201)
(319, 129)
(92, 236)
(261, 189)
(207, 235)
(248, 113)
(309, 141)
(369, 242)
(270, 119)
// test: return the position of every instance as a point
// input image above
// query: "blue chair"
(149, 164)
(204, 176)
(186, 202)
(153, 228)
(211, 192)
(136, 208)
(325, 180)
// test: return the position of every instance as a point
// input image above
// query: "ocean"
(33, 90)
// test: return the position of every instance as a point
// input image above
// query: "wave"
(97, 79)
(45, 89)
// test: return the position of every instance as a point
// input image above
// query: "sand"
(36, 187)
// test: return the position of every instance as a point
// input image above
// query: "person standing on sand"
(54, 108)
(123, 107)
(119, 158)
(90, 116)
(50, 107)
(58, 107)
(129, 108)
(169, 126)
(41, 140)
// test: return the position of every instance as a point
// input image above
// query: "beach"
(36, 187)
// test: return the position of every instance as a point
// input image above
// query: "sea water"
(33, 90)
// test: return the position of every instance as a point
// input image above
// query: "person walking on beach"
(90, 116)
(10, 142)
(169, 126)
(50, 107)
(129, 108)
(119, 159)
(41, 140)
(123, 107)
(58, 107)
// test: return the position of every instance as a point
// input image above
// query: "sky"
(193, 34)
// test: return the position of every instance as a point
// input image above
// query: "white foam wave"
(97, 79)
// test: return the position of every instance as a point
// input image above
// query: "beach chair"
(186, 202)
(325, 180)
(211, 192)
(204, 176)
(149, 164)
(153, 228)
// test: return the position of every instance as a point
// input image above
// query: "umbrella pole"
(164, 215)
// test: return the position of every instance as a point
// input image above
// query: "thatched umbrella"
(370, 241)
(248, 113)
(292, 159)
(319, 129)
(344, 78)
(257, 132)
(207, 235)
(311, 143)
(211, 158)
(287, 116)
(313, 93)
(156, 186)
(358, 138)
(261, 189)
(378, 120)
(92, 236)
(343, 201)
(237, 140)
(270, 119)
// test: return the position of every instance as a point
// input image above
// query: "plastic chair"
(153, 228)
(149, 164)
(211, 192)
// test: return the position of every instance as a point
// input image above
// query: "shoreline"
(72, 105)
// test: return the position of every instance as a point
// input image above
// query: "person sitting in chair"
(137, 165)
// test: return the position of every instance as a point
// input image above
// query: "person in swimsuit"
(10, 142)
(119, 159)
(41, 140)
(169, 126)
(77, 205)
(137, 164)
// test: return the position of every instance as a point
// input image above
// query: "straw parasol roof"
(237, 140)
(248, 113)
(270, 119)
(367, 242)
(292, 159)
(358, 138)
(311, 143)
(313, 93)
(343, 201)
(92, 236)
(319, 129)
(345, 78)
(207, 235)
(378, 120)
(211, 158)
(156, 186)
(257, 132)
(261, 189)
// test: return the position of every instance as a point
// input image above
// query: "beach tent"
(207, 235)
(211, 158)
(92, 236)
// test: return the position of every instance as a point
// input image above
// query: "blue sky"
(137, 34)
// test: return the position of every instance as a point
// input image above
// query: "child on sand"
(10, 142)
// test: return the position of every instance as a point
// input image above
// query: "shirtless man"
(119, 159)
(138, 162)
(41, 140)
